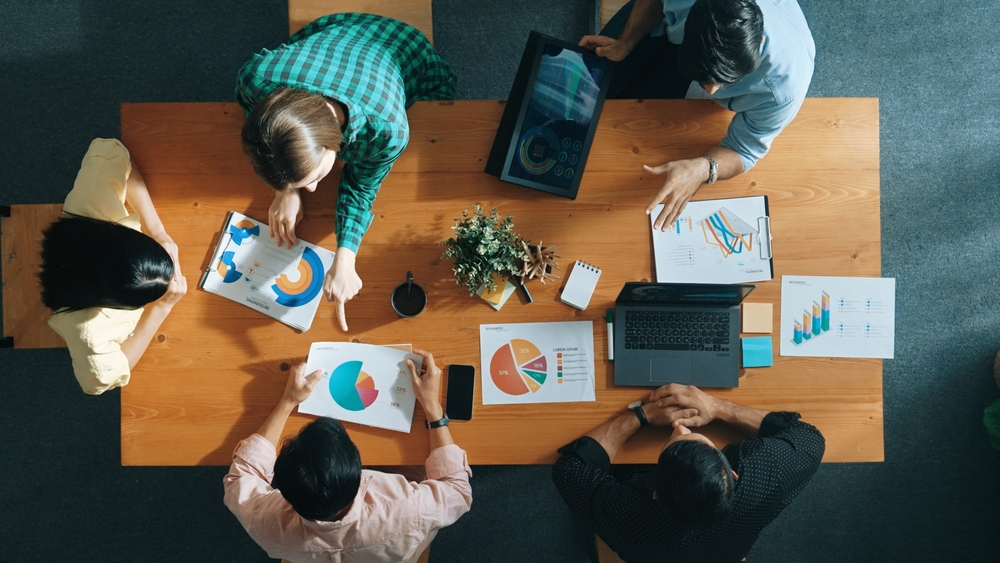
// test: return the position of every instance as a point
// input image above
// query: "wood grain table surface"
(215, 369)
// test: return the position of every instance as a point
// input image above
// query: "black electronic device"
(461, 385)
(551, 115)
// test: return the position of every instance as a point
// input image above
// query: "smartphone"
(461, 384)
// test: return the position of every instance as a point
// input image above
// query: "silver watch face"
(634, 404)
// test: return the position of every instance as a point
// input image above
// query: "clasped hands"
(681, 405)
(342, 282)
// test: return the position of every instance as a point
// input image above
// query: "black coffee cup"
(408, 299)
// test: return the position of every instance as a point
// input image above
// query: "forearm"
(438, 436)
(137, 197)
(729, 161)
(646, 14)
(745, 419)
(152, 317)
(272, 427)
(612, 434)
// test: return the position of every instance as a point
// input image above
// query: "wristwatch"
(713, 169)
(437, 423)
(636, 407)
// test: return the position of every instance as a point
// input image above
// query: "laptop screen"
(683, 293)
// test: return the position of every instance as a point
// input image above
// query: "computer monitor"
(550, 117)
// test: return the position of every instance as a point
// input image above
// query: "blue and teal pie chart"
(351, 388)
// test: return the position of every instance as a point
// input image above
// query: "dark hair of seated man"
(92, 263)
(722, 41)
(285, 134)
(694, 484)
(319, 471)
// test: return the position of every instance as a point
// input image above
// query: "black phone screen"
(461, 384)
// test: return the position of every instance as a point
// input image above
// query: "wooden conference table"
(216, 368)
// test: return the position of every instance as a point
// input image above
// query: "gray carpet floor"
(934, 65)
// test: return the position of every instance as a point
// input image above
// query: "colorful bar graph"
(825, 300)
(815, 321)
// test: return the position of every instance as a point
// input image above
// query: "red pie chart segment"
(503, 370)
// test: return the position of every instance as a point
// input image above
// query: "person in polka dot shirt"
(697, 501)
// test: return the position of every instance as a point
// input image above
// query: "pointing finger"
(342, 315)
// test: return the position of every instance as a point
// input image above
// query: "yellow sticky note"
(757, 317)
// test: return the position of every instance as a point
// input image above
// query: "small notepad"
(580, 285)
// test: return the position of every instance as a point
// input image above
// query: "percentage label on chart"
(394, 405)
(401, 389)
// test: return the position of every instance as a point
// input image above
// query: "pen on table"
(611, 335)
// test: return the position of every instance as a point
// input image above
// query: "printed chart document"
(247, 267)
(833, 317)
(362, 383)
(715, 241)
(537, 362)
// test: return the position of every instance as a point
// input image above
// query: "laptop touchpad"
(670, 370)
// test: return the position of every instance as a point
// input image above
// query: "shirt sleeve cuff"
(258, 455)
(589, 450)
(776, 422)
(446, 460)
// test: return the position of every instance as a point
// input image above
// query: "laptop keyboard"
(706, 331)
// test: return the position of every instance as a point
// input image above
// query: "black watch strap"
(643, 422)
(437, 423)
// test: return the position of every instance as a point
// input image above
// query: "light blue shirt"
(768, 99)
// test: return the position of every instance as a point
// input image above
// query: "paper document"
(362, 383)
(715, 241)
(835, 317)
(537, 362)
(284, 284)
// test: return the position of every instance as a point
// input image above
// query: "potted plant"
(486, 250)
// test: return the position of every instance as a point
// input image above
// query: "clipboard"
(716, 241)
(248, 268)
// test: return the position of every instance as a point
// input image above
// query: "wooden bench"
(414, 12)
(24, 316)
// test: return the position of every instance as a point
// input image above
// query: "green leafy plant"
(483, 245)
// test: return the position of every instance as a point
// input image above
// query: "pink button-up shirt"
(392, 519)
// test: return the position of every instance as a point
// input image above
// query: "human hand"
(612, 49)
(342, 283)
(285, 212)
(299, 385)
(684, 177)
(691, 406)
(427, 387)
(176, 289)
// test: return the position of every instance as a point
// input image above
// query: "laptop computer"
(678, 333)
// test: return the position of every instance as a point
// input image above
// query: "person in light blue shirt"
(752, 57)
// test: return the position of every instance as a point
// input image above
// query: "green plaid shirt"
(377, 67)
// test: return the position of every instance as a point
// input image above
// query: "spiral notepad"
(580, 285)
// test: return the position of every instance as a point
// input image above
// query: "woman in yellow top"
(102, 265)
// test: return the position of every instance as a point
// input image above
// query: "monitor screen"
(557, 117)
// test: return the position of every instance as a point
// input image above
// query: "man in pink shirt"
(313, 502)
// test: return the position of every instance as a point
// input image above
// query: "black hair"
(319, 471)
(694, 484)
(91, 263)
(721, 41)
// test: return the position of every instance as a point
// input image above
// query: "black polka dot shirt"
(772, 467)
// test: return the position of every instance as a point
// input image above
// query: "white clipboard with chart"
(248, 268)
(715, 241)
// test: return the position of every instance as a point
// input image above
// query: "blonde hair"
(285, 134)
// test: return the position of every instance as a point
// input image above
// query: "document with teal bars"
(838, 317)
(715, 241)
(248, 268)
(362, 383)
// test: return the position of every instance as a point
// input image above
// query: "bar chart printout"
(838, 317)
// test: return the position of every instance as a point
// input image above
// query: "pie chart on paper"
(518, 367)
(352, 388)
